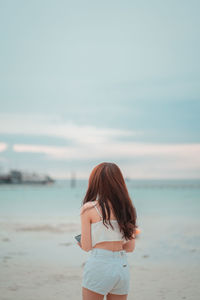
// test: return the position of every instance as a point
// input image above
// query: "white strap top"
(100, 233)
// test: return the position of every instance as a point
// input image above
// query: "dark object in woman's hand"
(78, 238)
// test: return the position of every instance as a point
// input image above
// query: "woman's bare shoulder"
(90, 203)
(86, 205)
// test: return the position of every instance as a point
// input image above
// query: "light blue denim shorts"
(106, 272)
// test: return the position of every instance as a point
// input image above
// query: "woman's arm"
(86, 243)
(129, 246)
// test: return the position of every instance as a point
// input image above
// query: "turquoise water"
(58, 200)
(61, 200)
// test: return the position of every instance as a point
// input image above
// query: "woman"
(108, 227)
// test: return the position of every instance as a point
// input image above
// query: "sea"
(40, 221)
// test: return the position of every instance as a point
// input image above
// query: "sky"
(82, 82)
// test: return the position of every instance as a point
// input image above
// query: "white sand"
(42, 262)
(25, 281)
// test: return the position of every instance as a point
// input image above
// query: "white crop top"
(100, 233)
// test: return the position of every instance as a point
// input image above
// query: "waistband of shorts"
(107, 253)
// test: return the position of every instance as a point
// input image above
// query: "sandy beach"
(42, 261)
(24, 281)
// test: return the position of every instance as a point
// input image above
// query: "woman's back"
(95, 214)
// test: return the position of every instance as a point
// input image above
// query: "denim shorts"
(106, 272)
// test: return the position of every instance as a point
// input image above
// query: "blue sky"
(89, 81)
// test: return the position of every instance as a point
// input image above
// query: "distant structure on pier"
(73, 180)
(18, 177)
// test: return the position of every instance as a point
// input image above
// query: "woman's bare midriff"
(112, 246)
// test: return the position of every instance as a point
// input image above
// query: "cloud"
(3, 147)
(89, 145)
(54, 126)
(138, 160)
(116, 150)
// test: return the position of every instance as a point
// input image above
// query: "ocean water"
(44, 219)
(60, 200)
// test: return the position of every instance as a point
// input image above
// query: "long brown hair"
(106, 183)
